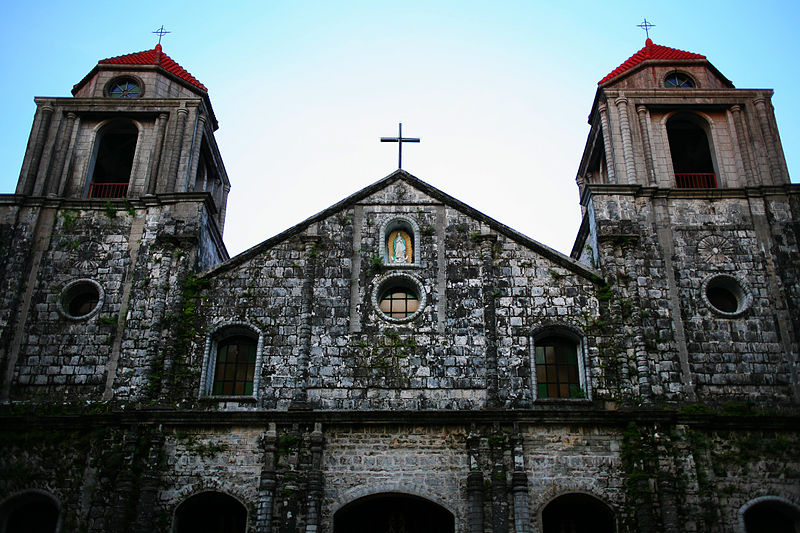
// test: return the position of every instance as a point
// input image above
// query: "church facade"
(401, 362)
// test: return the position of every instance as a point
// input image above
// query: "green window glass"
(557, 369)
(235, 367)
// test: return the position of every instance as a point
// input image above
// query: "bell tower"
(121, 197)
(689, 211)
(138, 125)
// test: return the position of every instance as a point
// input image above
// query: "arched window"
(29, 512)
(772, 516)
(231, 362)
(691, 155)
(393, 512)
(113, 160)
(211, 512)
(678, 80)
(577, 513)
(559, 366)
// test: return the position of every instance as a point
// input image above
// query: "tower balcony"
(696, 180)
(108, 190)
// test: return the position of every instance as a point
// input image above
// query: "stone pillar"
(769, 139)
(499, 496)
(223, 207)
(155, 159)
(627, 143)
(40, 137)
(300, 398)
(474, 486)
(177, 146)
(609, 150)
(475, 501)
(519, 488)
(486, 243)
(53, 180)
(314, 502)
(266, 485)
(648, 149)
(194, 157)
(744, 145)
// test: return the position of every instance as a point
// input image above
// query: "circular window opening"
(399, 302)
(726, 295)
(124, 88)
(81, 299)
(399, 297)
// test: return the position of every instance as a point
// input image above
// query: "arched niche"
(400, 241)
(210, 512)
(577, 513)
(31, 511)
(392, 511)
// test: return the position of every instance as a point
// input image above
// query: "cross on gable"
(399, 140)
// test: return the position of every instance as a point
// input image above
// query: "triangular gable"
(401, 175)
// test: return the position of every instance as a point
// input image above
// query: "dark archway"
(577, 513)
(211, 512)
(113, 160)
(691, 154)
(393, 513)
(771, 516)
(30, 512)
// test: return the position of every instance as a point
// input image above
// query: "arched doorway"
(772, 516)
(393, 513)
(29, 512)
(577, 513)
(211, 512)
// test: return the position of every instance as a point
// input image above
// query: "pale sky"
(499, 92)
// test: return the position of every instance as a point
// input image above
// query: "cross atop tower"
(399, 140)
(646, 27)
(161, 32)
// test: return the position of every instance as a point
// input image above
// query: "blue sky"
(498, 91)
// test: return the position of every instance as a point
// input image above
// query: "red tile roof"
(158, 58)
(650, 51)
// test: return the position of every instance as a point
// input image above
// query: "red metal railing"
(108, 190)
(695, 180)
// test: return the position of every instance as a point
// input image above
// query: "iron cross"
(399, 140)
(646, 27)
(161, 32)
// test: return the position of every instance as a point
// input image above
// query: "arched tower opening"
(393, 512)
(113, 160)
(691, 154)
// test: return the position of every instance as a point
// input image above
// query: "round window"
(726, 296)
(678, 80)
(124, 88)
(399, 297)
(81, 299)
